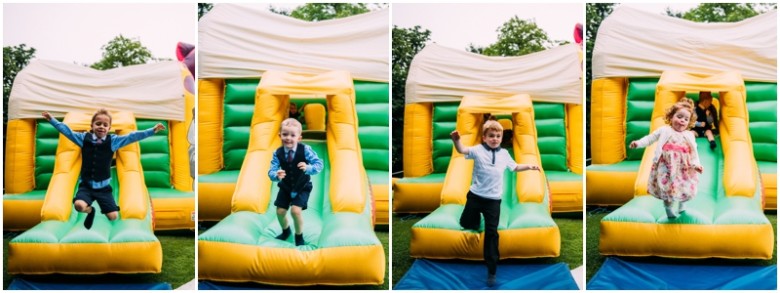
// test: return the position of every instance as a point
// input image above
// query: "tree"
(406, 43)
(517, 37)
(324, 11)
(122, 51)
(595, 14)
(203, 8)
(722, 12)
(15, 58)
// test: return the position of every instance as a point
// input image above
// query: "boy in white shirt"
(487, 180)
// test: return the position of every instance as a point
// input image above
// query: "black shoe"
(712, 145)
(299, 239)
(285, 234)
(491, 280)
(90, 219)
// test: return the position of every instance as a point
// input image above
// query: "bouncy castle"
(253, 64)
(152, 181)
(639, 70)
(538, 100)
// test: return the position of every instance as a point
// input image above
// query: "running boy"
(487, 179)
(292, 165)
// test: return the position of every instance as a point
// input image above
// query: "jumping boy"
(487, 180)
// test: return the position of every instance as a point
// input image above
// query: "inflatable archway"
(42, 167)
(627, 102)
(260, 41)
(439, 77)
(252, 65)
(338, 230)
(525, 228)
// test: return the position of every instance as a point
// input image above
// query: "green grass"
(595, 260)
(569, 225)
(381, 233)
(178, 264)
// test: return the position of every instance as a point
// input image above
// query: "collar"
(95, 137)
(487, 147)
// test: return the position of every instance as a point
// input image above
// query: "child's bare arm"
(46, 115)
(458, 145)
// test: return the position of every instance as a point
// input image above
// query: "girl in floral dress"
(673, 176)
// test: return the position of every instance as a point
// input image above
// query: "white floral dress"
(672, 177)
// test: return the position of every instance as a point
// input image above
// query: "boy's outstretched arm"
(458, 145)
(526, 167)
(75, 137)
(119, 141)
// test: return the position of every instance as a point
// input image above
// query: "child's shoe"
(299, 240)
(491, 280)
(285, 234)
(90, 218)
(712, 145)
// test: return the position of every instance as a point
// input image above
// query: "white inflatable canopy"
(635, 43)
(152, 91)
(243, 41)
(440, 74)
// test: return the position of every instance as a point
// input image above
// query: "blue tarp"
(619, 274)
(22, 284)
(440, 275)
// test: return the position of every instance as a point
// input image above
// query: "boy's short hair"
(292, 122)
(492, 125)
(102, 111)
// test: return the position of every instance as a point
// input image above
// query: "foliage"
(15, 58)
(122, 51)
(324, 11)
(722, 12)
(595, 14)
(517, 37)
(203, 8)
(406, 43)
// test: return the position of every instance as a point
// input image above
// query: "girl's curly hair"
(684, 103)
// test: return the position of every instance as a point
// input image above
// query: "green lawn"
(569, 225)
(178, 264)
(595, 260)
(381, 233)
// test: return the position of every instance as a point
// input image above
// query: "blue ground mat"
(22, 284)
(619, 274)
(448, 275)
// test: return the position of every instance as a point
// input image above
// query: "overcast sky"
(75, 32)
(457, 25)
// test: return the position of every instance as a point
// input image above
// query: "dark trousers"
(491, 210)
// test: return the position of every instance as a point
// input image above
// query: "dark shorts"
(284, 199)
(104, 196)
